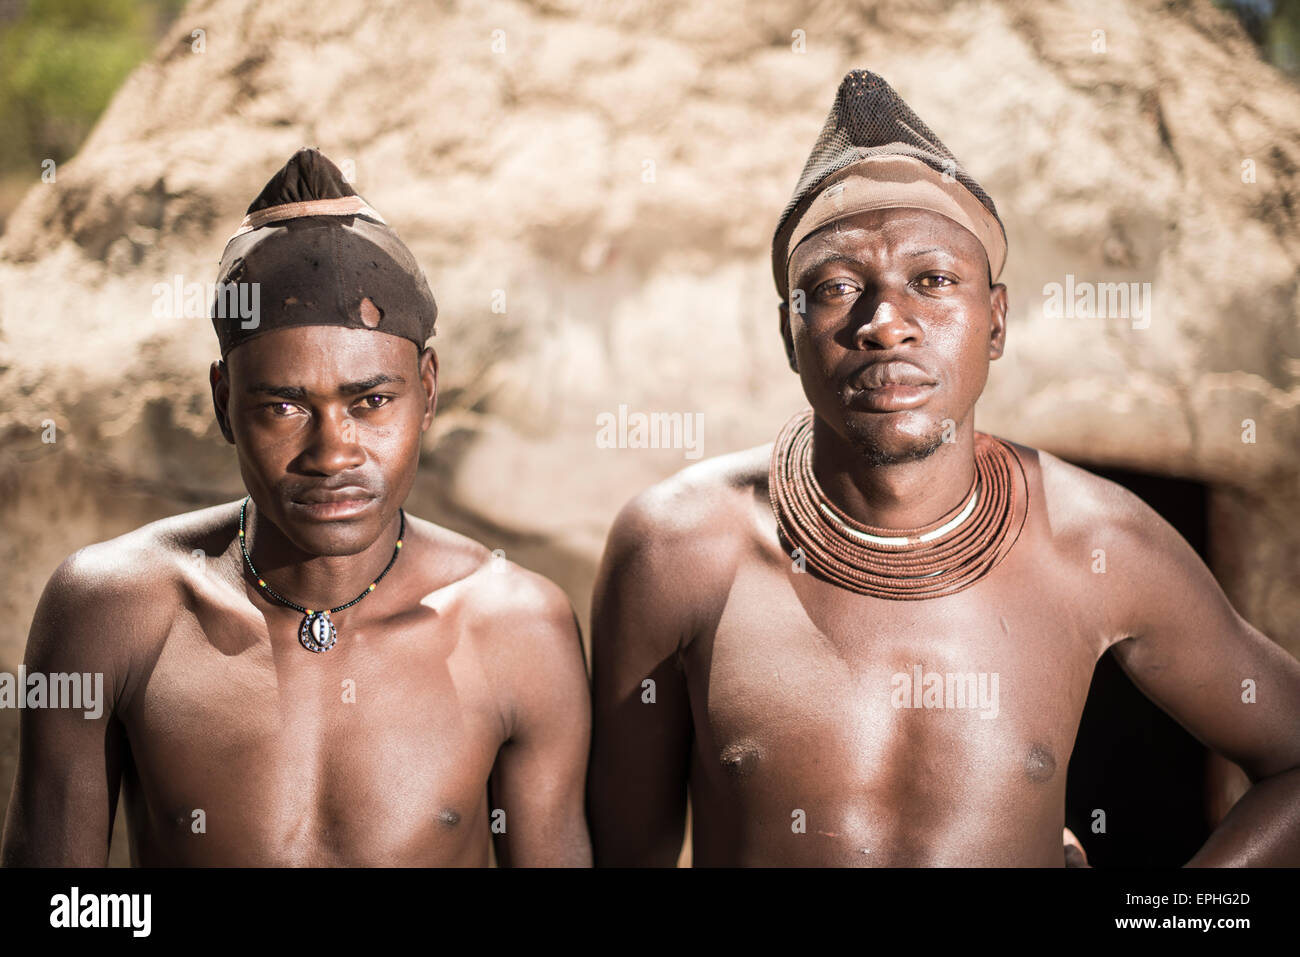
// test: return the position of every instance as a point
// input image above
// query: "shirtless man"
(453, 703)
(740, 653)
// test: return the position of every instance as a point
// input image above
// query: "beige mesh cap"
(875, 153)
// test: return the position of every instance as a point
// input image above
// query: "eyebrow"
(827, 258)
(297, 392)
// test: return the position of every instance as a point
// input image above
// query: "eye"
(835, 289)
(935, 281)
(280, 409)
(376, 401)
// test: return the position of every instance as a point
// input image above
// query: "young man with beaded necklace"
(332, 681)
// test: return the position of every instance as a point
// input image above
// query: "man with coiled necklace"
(871, 642)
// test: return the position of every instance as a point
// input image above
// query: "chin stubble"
(873, 453)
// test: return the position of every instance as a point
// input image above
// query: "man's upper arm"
(641, 616)
(69, 764)
(1191, 653)
(538, 776)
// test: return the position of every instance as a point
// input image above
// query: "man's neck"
(905, 495)
(314, 581)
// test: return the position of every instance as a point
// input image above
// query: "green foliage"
(1275, 26)
(61, 61)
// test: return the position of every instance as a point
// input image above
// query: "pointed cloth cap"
(875, 153)
(319, 256)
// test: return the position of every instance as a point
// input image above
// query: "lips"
(333, 504)
(892, 385)
(351, 493)
(879, 375)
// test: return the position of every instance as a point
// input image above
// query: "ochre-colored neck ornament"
(942, 558)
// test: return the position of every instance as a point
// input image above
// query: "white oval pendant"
(317, 632)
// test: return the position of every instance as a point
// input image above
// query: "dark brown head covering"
(875, 153)
(320, 256)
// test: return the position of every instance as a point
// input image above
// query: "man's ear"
(997, 320)
(219, 379)
(429, 381)
(788, 337)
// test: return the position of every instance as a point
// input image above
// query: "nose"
(334, 446)
(886, 327)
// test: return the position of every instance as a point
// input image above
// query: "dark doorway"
(1131, 760)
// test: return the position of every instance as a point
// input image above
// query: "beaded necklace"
(317, 632)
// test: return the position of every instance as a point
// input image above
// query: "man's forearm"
(564, 843)
(654, 840)
(67, 846)
(1261, 830)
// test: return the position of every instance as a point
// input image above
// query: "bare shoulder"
(702, 513)
(499, 600)
(673, 552)
(517, 601)
(1150, 571)
(1080, 502)
(107, 597)
(518, 625)
(144, 565)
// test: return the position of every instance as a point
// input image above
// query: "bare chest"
(377, 749)
(806, 695)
